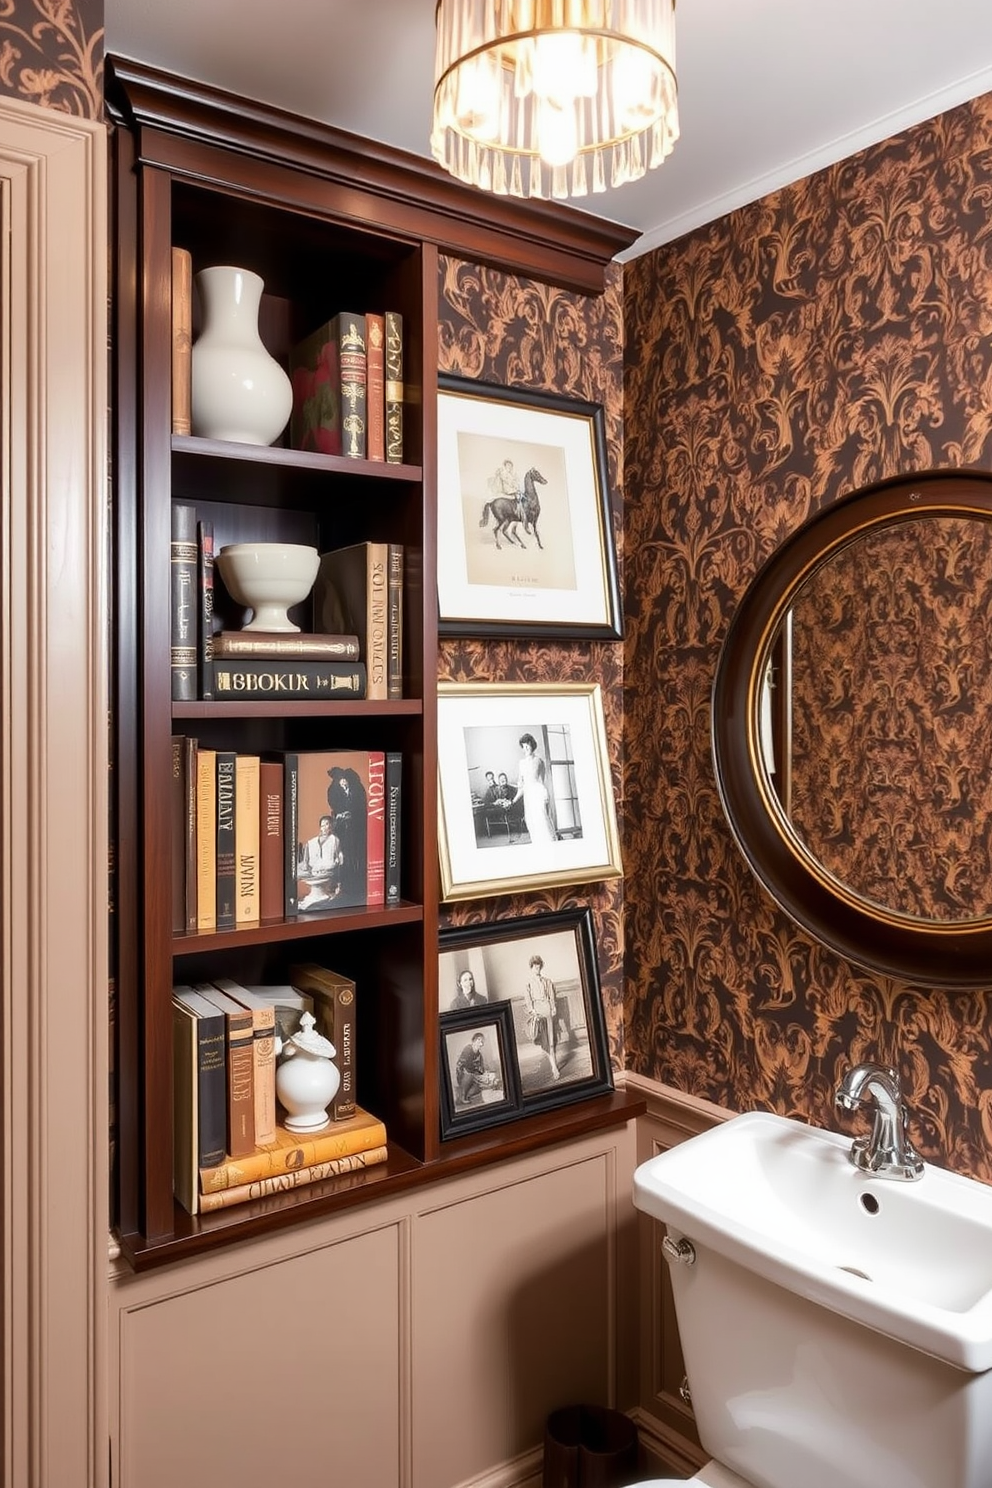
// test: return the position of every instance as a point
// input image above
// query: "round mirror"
(852, 727)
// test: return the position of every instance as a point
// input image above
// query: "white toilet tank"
(788, 1394)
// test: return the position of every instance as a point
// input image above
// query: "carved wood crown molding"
(565, 246)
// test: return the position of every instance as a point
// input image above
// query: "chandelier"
(553, 98)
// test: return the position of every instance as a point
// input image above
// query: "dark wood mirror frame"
(920, 951)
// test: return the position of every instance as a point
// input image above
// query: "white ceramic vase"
(239, 391)
(307, 1080)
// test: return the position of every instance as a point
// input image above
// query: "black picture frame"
(498, 954)
(521, 586)
(464, 1111)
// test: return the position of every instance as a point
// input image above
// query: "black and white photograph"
(479, 1082)
(524, 781)
(525, 540)
(544, 968)
(533, 799)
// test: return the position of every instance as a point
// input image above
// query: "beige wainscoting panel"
(284, 1373)
(518, 1305)
(416, 1344)
(53, 796)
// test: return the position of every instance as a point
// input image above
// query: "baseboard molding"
(525, 1471)
(662, 1451)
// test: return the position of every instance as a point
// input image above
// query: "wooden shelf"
(301, 708)
(292, 459)
(192, 1235)
(269, 932)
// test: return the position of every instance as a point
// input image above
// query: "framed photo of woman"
(525, 532)
(524, 789)
(543, 968)
(478, 1064)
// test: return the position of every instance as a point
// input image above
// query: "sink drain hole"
(869, 1203)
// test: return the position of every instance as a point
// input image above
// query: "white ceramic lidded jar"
(307, 1079)
(239, 391)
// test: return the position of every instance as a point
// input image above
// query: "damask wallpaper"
(518, 332)
(829, 335)
(891, 707)
(51, 53)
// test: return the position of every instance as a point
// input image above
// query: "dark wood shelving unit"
(325, 219)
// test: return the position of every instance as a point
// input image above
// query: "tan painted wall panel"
(286, 1374)
(514, 1306)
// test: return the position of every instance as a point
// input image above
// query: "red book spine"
(377, 828)
(272, 862)
(375, 413)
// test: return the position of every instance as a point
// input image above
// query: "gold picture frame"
(551, 820)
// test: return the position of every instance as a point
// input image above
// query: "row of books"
(347, 378)
(347, 381)
(355, 649)
(228, 1143)
(269, 838)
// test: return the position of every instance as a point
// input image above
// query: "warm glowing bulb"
(557, 131)
(478, 100)
(635, 87)
(564, 66)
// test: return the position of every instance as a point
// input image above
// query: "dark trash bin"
(589, 1446)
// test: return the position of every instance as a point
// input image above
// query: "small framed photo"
(525, 538)
(479, 1084)
(524, 790)
(543, 969)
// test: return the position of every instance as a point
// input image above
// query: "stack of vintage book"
(355, 649)
(229, 1144)
(293, 833)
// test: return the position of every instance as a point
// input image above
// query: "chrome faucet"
(887, 1152)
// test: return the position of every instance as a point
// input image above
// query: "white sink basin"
(911, 1260)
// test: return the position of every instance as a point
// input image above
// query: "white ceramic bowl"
(268, 579)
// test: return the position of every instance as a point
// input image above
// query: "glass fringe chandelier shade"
(553, 98)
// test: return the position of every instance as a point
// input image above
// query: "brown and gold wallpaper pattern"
(51, 53)
(522, 333)
(891, 709)
(829, 335)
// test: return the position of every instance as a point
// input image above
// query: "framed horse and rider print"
(525, 529)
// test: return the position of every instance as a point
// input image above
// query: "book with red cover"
(336, 818)
(272, 872)
(328, 373)
(375, 354)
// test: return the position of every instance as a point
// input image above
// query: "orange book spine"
(288, 1182)
(289, 1152)
(182, 340)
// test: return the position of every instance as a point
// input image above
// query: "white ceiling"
(769, 90)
